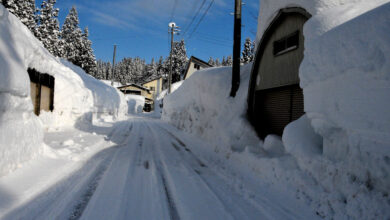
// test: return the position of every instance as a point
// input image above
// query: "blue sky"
(140, 27)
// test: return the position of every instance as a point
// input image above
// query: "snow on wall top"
(75, 91)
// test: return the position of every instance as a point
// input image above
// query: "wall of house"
(192, 70)
(156, 90)
(282, 70)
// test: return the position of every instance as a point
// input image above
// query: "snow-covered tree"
(72, 37)
(229, 61)
(24, 10)
(211, 62)
(179, 60)
(48, 28)
(248, 51)
(88, 59)
(217, 63)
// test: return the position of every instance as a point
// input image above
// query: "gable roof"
(134, 85)
(197, 61)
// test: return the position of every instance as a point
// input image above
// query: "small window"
(151, 88)
(286, 44)
(196, 66)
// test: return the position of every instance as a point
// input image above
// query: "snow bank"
(336, 157)
(346, 80)
(270, 8)
(76, 94)
(202, 106)
(135, 103)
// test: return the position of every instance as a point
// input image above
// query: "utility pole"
(236, 49)
(173, 30)
(113, 66)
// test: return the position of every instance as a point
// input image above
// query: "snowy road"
(151, 172)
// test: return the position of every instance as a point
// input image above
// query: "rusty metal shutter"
(277, 107)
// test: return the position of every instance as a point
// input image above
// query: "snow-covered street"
(136, 169)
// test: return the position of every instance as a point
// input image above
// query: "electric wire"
(173, 10)
(193, 18)
(201, 19)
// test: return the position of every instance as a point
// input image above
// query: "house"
(195, 64)
(154, 86)
(275, 97)
(133, 89)
(42, 91)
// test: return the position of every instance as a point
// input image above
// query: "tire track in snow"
(172, 208)
(200, 162)
(97, 176)
(80, 207)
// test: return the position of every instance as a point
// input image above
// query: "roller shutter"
(276, 108)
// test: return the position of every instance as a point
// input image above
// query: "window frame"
(284, 43)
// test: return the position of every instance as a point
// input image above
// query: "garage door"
(277, 107)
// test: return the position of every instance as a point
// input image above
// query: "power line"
(173, 10)
(214, 38)
(201, 19)
(193, 18)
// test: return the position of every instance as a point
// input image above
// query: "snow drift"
(202, 106)
(76, 94)
(336, 157)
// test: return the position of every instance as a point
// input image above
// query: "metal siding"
(282, 70)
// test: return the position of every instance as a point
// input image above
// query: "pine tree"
(211, 62)
(48, 28)
(72, 37)
(88, 59)
(223, 61)
(229, 61)
(217, 63)
(248, 52)
(179, 60)
(24, 10)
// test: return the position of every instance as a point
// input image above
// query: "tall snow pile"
(135, 103)
(345, 76)
(337, 156)
(76, 94)
(202, 106)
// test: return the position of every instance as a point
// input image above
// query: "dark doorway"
(42, 91)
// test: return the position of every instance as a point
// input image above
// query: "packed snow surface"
(138, 169)
(77, 96)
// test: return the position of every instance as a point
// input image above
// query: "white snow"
(77, 95)
(351, 8)
(135, 103)
(336, 157)
(202, 106)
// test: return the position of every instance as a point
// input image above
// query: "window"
(286, 44)
(152, 88)
(196, 66)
